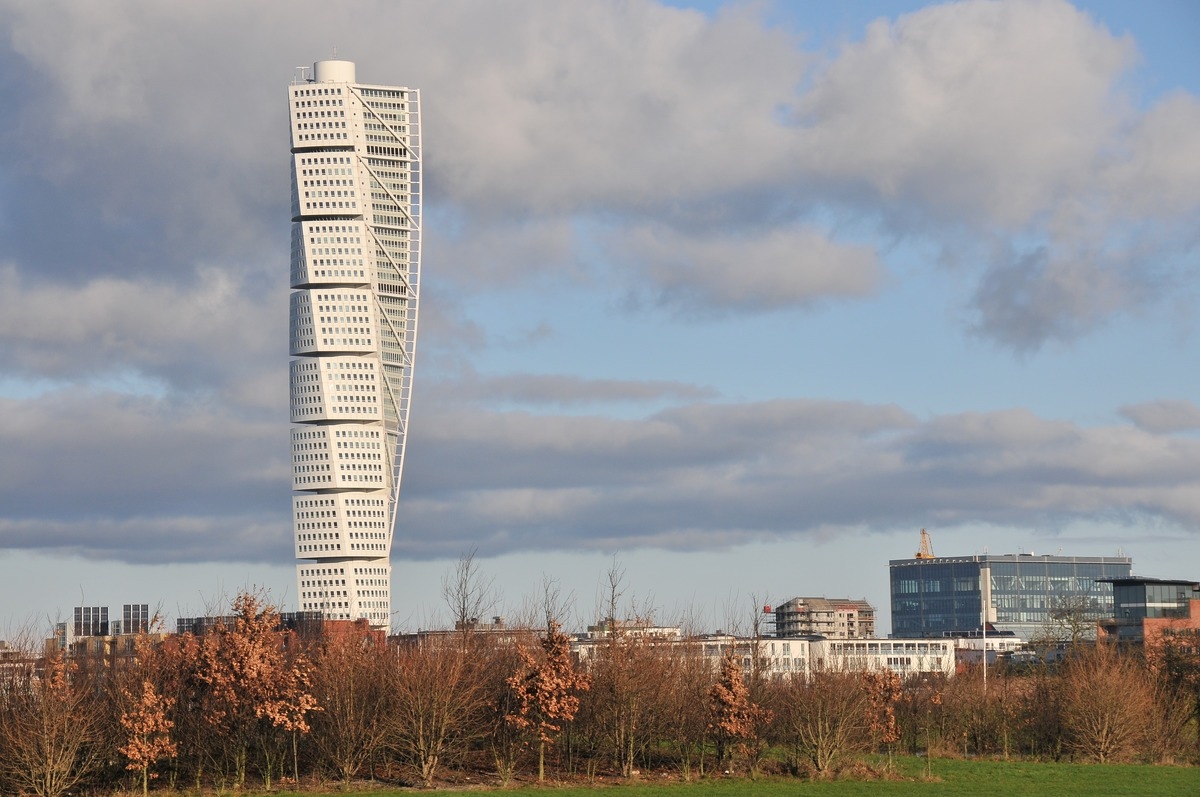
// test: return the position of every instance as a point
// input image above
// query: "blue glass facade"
(945, 595)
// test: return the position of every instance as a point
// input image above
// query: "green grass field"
(951, 777)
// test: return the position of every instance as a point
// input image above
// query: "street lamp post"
(988, 614)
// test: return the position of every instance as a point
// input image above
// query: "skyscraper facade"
(355, 279)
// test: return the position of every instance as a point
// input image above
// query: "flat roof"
(1014, 557)
(1131, 581)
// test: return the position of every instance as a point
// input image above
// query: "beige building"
(832, 618)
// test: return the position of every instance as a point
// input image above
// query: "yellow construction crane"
(926, 549)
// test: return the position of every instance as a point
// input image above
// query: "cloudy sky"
(744, 295)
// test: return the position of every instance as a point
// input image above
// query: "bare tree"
(352, 672)
(1174, 654)
(506, 740)
(437, 705)
(979, 721)
(823, 719)
(468, 593)
(686, 692)
(554, 604)
(1070, 620)
(1040, 713)
(49, 729)
(629, 697)
(614, 590)
(1170, 723)
(1107, 703)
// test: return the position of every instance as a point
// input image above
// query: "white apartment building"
(355, 279)
(801, 656)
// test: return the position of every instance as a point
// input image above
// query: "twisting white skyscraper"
(355, 277)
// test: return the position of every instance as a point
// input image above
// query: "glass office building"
(1141, 598)
(945, 595)
(1136, 600)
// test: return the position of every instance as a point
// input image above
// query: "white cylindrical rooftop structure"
(333, 72)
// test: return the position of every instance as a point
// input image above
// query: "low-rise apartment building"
(832, 618)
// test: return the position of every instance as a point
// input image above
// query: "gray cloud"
(750, 270)
(150, 480)
(185, 331)
(484, 251)
(555, 390)
(1037, 298)
(156, 539)
(1164, 417)
(713, 475)
(121, 456)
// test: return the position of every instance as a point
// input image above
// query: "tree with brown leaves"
(546, 691)
(733, 718)
(884, 691)
(175, 667)
(256, 691)
(148, 730)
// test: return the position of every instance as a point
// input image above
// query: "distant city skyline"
(744, 295)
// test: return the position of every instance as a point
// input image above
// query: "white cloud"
(1011, 120)
(581, 105)
(979, 111)
(1156, 174)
